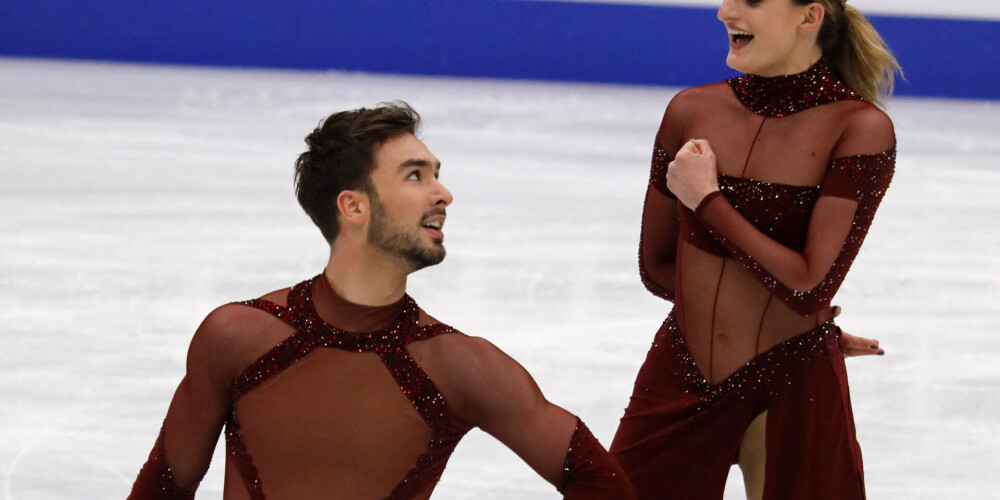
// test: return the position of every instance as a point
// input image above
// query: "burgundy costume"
(331, 413)
(803, 163)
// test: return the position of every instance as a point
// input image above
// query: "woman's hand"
(856, 346)
(693, 175)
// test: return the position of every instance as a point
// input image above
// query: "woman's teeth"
(737, 36)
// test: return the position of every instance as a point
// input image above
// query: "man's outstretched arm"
(492, 391)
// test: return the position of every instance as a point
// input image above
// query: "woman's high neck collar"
(783, 95)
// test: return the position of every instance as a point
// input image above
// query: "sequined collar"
(348, 316)
(784, 95)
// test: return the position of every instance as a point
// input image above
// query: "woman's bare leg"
(753, 455)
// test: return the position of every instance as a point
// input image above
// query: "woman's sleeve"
(851, 192)
(658, 235)
(659, 231)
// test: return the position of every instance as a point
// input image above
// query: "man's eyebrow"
(416, 162)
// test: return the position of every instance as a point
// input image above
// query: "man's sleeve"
(156, 481)
(589, 471)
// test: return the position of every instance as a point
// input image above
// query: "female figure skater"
(762, 189)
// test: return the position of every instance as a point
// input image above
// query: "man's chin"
(437, 257)
(424, 259)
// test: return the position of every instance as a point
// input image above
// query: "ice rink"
(137, 198)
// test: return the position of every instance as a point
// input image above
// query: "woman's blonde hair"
(856, 51)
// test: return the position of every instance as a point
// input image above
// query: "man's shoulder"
(442, 339)
(454, 350)
(238, 315)
(235, 333)
(474, 375)
(467, 359)
(459, 346)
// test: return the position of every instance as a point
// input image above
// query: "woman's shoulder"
(867, 127)
(864, 129)
(702, 92)
(868, 117)
(696, 99)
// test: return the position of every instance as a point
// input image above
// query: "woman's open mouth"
(739, 39)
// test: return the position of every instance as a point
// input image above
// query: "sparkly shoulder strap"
(267, 366)
(281, 312)
(429, 331)
(447, 428)
(296, 314)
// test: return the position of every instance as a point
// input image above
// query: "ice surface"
(135, 199)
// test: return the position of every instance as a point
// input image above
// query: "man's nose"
(442, 196)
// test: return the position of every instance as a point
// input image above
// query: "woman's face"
(771, 37)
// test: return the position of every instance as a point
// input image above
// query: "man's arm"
(184, 448)
(492, 391)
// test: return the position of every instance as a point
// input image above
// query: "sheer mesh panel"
(312, 410)
(332, 400)
(234, 489)
(760, 262)
(327, 413)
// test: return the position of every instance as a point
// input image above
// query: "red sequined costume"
(803, 163)
(327, 412)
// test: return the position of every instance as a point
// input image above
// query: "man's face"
(408, 205)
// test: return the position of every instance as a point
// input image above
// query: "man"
(341, 386)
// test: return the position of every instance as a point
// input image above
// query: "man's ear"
(812, 20)
(353, 207)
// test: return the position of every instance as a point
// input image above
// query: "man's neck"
(365, 278)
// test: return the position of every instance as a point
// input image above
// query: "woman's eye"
(414, 176)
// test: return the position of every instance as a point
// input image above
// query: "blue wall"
(616, 43)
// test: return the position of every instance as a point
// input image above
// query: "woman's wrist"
(699, 209)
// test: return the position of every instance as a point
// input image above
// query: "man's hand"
(856, 346)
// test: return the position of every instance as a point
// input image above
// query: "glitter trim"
(390, 345)
(864, 178)
(785, 95)
(156, 479)
(775, 368)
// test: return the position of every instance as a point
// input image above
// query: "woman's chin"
(734, 62)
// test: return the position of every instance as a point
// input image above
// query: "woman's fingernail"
(873, 346)
(881, 353)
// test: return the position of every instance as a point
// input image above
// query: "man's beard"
(385, 236)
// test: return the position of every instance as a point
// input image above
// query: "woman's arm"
(659, 232)
(660, 228)
(851, 192)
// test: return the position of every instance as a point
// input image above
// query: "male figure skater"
(341, 386)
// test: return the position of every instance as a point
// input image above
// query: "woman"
(761, 192)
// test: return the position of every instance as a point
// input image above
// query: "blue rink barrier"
(590, 42)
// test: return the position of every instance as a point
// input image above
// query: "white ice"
(134, 199)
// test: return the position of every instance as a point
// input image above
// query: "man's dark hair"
(341, 157)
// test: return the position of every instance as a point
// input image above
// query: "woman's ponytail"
(857, 52)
